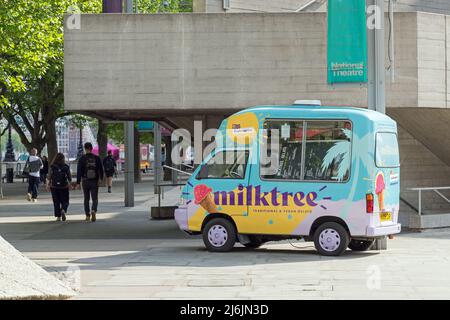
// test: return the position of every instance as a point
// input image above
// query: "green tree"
(31, 63)
(31, 70)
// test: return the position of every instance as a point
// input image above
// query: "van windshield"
(387, 153)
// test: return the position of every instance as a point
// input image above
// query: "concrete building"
(180, 67)
(435, 6)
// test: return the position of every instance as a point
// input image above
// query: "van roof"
(321, 111)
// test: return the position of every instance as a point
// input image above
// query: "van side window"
(281, 150)
(387, 153)
(328, 150)
(230, 164)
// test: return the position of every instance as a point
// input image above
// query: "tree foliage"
(32, 57)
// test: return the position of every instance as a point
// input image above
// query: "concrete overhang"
(155, 66)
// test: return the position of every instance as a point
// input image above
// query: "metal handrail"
(435, 190)
(177, 170)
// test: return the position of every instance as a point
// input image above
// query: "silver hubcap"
(329, 240)
(217, 235)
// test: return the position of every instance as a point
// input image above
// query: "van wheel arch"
(211, 216)
(324, 219)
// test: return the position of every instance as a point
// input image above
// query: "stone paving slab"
(126, 255)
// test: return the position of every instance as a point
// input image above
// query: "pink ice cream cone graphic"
(204, 197)
(379, 190)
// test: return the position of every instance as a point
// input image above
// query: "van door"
(219, 185)
(274, 180)
(387, 177)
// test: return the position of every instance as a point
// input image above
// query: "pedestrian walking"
(110, 167)
(89, 174)
(44, 170)
(58, 183)
(34, 165)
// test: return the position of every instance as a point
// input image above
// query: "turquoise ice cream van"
(324, 174)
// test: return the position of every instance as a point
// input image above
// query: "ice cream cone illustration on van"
(379, 190)
(205, 198)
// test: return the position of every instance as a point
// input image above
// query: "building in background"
(62, 137)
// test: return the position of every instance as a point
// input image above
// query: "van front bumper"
(181, 218)
(384, 230)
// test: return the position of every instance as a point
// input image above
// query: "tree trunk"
(52, 143)
(102, 139)
(137, 157)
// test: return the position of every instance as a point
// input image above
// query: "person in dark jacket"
(58, 183)
(110, 167)
(90, 174)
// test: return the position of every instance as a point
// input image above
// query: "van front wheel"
(331, 239)
(219, 235)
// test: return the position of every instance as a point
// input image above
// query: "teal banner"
(145, 126)
(347, 41)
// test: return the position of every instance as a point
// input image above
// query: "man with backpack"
(89, 174)
(58, 183)
(109, 164)
(33, 165)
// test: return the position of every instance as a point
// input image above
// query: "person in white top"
(34, 164)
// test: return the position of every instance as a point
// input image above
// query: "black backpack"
(91, 167)
(59, 176)
(109, 164)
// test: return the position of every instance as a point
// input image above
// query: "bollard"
(380, 244)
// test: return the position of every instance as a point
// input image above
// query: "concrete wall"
(420, 168)
(184, 62)
(432, 56)
(435, 6)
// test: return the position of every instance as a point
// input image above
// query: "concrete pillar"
(380, 244)
(375, 53)
(112, 6)
(129, 163)
(157, 156)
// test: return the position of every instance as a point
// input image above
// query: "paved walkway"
(127, 255)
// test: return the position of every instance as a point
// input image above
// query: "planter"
(162, 213)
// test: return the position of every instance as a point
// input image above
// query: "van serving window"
(229, 164)
(307, 150)
(328, 154)
(281, 150)
(387, 153)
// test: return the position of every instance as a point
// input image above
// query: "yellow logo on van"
(242, 128)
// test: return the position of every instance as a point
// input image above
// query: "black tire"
(254, 243)
(221, 243)
(335, 244)
(360, 245)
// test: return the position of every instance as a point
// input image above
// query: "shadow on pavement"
(198, 256)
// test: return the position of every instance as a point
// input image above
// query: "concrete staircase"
(420, 167)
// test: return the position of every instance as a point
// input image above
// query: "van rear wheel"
(331, 239)
(219, 235)
(360, 245)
